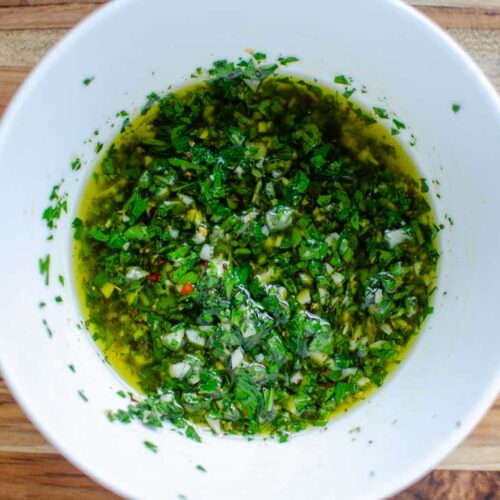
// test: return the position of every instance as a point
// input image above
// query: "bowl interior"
(132, 48)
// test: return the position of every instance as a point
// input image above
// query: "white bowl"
(133, 47)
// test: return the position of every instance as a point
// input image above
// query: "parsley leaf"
(284, 61)
(151, 446)
(44, 266)
(380, 112)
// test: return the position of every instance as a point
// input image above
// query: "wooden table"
(29, 466)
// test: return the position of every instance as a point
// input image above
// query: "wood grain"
(484, 47)
(466, 17)
(451, 3)
(55, 16)
(47, 475)
(51, 476)
(453, 485)
(25, 3)
(26, 47)
(17, 434)
(481, 449)
(32, 468)
(431, 3)
(65, 15)
(10, 79)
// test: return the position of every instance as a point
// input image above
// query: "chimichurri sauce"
(252, 254)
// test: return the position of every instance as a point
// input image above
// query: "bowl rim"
(431, 458)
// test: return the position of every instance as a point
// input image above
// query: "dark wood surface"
(29, 466)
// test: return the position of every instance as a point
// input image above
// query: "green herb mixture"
(250, 256)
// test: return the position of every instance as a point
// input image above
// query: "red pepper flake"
(224, 266)
(160, 262)
(154, 277)
(187, 289)
(133, 399)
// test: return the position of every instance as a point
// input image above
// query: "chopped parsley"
(399, 125)
(342, 80)
(151, 446)
(50, 333)
(254, 254)
(76, 164)
(284, 61)
(44, 266)
(88, 81)
(82, 395)
(455, 108)
(58, 206)
(380, 112)
(260, 56)
(192, 434)
(348, 92)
